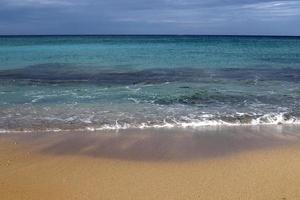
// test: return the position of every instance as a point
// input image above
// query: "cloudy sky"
(267, 17)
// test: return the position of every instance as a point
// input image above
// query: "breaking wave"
(238, 119)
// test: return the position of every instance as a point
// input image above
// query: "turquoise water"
(114, 82)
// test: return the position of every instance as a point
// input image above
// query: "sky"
(216, 17)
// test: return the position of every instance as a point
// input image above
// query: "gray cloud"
(150, 17)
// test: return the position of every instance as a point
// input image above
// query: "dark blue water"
(113, 82)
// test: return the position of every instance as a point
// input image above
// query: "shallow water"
(120, 82)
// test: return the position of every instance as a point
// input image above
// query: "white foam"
(267, 119)
(134, 100)
(186, 122)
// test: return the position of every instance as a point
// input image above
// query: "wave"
(238, 119)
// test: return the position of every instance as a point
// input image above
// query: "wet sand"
(227, 163)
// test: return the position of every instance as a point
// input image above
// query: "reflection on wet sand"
(162, 144)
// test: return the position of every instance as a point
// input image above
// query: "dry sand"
(45, 167)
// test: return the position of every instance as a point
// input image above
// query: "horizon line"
(228, 35)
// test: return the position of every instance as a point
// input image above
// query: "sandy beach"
(148, 166)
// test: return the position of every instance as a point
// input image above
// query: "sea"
(113, 82)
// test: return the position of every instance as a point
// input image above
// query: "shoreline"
(229, 164)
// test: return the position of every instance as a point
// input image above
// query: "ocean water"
(120, 82)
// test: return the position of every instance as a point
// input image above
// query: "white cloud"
(275, 8)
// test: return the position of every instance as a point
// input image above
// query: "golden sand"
(261, 174)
